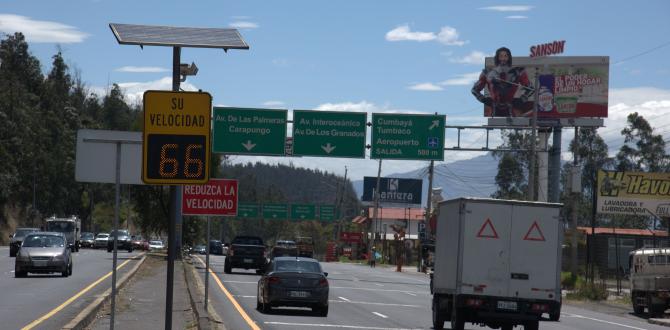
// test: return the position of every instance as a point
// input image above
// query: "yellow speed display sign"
(176, 146)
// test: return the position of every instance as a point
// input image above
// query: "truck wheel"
(637, 308)
(438, 316)
(555, 315)
(457, 321)
(531, 325)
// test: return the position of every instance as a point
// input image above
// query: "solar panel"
(153, 35)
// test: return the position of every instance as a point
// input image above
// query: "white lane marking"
(376, 304)
(603, 321)
(377, 284)
(384, 290)
(380, 315)
(345, 299)
(411, 294)
(315, 325)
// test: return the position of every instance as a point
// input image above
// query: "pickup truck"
(246, 252)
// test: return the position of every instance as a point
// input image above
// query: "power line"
(642, 53)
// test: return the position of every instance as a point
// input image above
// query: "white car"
(156, 244)
(101, 241)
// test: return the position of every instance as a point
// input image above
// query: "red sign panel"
(350, 236)
(218, 197)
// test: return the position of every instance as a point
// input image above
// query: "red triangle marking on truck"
(488, 235)
(534, 237)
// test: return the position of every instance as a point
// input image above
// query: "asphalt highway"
(49, 301)
(367, 298)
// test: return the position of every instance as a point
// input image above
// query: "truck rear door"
(534, 252)
(485, 259)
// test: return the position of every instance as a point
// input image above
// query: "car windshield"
(60, 226)
(156, 242)
(121, 233)
(43, 241)
(248, 241)
(102, 236)
(23, 232)
(297, 266)
(87, 235)
(286, 244)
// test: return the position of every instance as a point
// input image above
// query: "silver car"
(43, 252)
(100, 241)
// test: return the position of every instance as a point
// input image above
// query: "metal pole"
(175, 210)
(555, 166)
(207, 265)
(594, 209)
(575, 203)
(117, 194)
(374, 212)
(531, 169)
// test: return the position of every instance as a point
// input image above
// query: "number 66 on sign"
(176, 147)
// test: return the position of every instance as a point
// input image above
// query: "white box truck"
(497, 263)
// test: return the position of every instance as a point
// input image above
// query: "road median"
(207, 319)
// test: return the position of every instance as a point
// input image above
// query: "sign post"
(249, 131)
(404, 136)
(329, 133)
(218, 197)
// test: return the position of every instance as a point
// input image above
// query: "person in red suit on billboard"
(506, 88)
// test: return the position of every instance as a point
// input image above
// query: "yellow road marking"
(73, 298)
(244, 314)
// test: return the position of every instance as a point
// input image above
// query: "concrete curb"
(208, 319)
(663, 322)
(86, 316)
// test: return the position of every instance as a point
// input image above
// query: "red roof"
(387, 213)
(623, 231)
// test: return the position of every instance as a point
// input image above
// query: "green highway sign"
(407, 136)
(247, 131)
(275, 211)
(247, 210)
(303, 212)
(327, 212)
(329, 133)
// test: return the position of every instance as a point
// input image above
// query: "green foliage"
(589, 291)
(569, 281)
(642, 150)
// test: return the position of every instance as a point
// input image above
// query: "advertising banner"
(634, 193)
(393, 190)
(569, 87)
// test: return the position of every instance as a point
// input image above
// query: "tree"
(511, 179)
(647, 152)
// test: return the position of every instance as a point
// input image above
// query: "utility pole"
(374, 212)
(575, 203)
(531, 169)
(429, 210)
(339, 204)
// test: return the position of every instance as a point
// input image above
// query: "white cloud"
(449, 36)
(142, 69)
(273, 104)
(462, 79)
(243, 25)
(475, 57)
(362, 106)
(403, 33)
(430, 87)
(40, 31)
(516, 17)
(134, 91)
(508, 8)
(241, 18)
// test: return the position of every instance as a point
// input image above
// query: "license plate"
(248, 261)
(39, 263)
(298, 294)
(509, 305)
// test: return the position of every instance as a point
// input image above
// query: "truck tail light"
(539, 308)
(472, 302)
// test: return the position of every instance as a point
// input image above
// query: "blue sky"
(373, 56)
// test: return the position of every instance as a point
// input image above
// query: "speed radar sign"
(176, 147)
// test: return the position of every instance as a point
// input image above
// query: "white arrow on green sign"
(329, 133)
(275, 211)
(407, 136)
(303, 212)
(247, 210)
(247, 131)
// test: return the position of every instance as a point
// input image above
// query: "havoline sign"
(393, 190)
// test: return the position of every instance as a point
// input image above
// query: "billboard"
(634, 193)
(393, 190)
(568, 87)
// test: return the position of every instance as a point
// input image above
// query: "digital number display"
(176, 157)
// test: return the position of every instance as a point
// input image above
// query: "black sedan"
(43, 252)
(123, 241)
(17, 238)
(294, 282)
